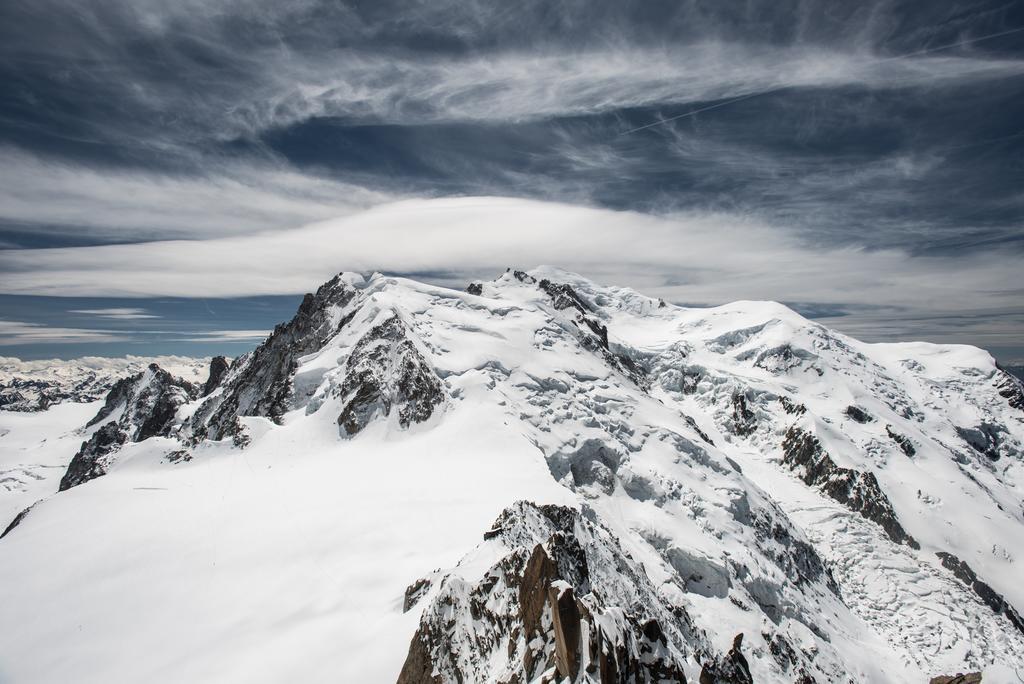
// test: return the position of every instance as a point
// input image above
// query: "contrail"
(748, 96)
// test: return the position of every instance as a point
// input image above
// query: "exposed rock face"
(218, 369)
(858, 491)
(564, 599)
(92, 459)
(17, 521)
(385, 371)
(984, 438)
(744, 419)
(960, 678)
(902, 441)
(990, 596)
(1010, 388)
(145, 406)
(858, 414)
(564, 297)
(147, 403)
(732, 669)
(475, 289)
(593, 334)
(259, 383)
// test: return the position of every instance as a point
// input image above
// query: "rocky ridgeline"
(563, 601)
(259, 383)
(29, 394)
(385, 371)
(29, 386)
(137, 408)
(858, 491)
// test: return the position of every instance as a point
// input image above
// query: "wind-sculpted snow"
(731, 494)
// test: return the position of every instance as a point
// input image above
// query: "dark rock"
(528, 612)
(475, 289)
(524, 277)
(563, 296)
(732, 669)
(902, 441)
(791, 407)
(858, 491)
(91, 460)
(858, 414)
(963, 572)
(218, 369)
(566, 620)
(386, 371)
(260, 383)
(1011, 387)
(148, 403)
(17, 521)
(414, 592)
(984, 439)
(744, 420)
(959, 678)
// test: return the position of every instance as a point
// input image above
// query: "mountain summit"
(538, 479)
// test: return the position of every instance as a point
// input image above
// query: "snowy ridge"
(730, 494)
(36, 385)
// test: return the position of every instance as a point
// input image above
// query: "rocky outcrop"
(858, 491)
(564, 600)
(260, 383)
(986, 593)
(959, 678)
(858, 414)
(17, 521)
(983, 438)
(744, 420)
(137, 408)
(386, 372)
(1010, 388)
(218, 369)
(475, 289)
(732, 669)
(94, 456)
(902, 441)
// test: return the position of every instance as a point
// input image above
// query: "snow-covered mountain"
(539, 479)
(37, 385)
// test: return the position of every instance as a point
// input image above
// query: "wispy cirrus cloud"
(123, 314)
(224, 336)
(21, 333)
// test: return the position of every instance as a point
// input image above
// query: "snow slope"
(723, 485)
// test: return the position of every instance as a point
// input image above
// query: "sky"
(174, 175)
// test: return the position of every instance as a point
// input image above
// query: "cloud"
(20, 333)
(225, 336)
(707, 258)
(126, 314)
(226, 199)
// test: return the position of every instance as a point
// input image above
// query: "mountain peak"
(557, 478)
